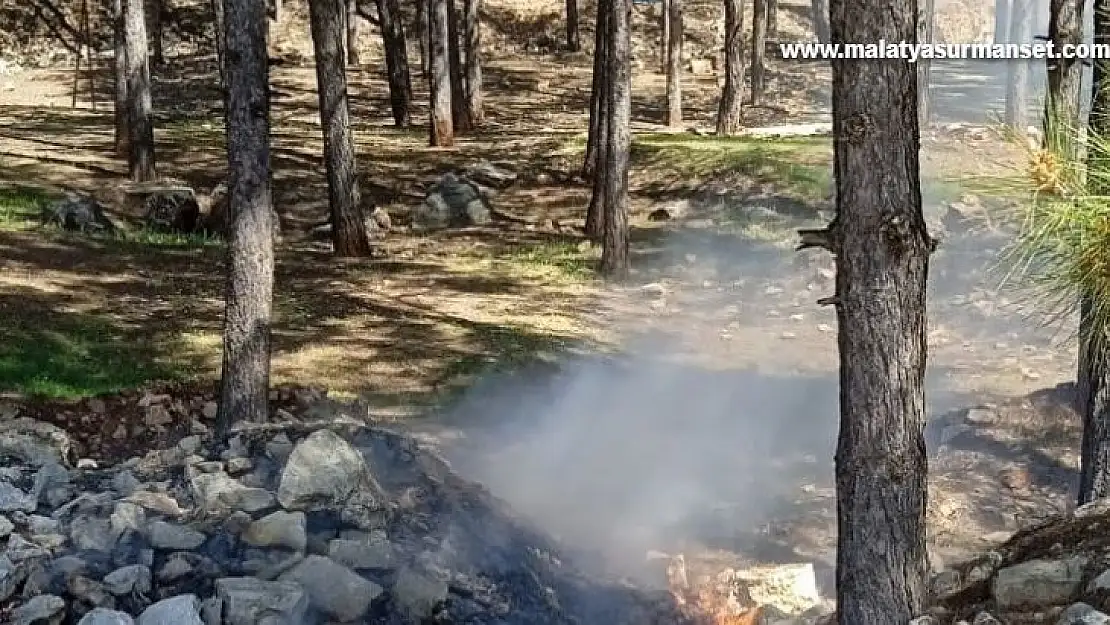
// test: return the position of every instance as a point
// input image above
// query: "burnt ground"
(440, 335)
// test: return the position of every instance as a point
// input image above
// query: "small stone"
(6, 527)
(175, 568)
(248, 601)
(10, 577)
(333, 588)
(156, 502)
(189, 445)
(103, 616)
(93, 534)
(326, 471)
(173, 537)
(985, 618)
(90, 592)
(135, 578)
(279, 448)
(236, 466)
(279, 529)
(14, 500)
(87, 464)
(125, 482)
(157, 416)
(210, 410)
(127, 517)
(196, 427)
(1038, 583)
(120, 432)
(96, 405)
(40, 609)
(179, 610)
(219, 493)
(361, 554)
(1082, 614)
(417, 594)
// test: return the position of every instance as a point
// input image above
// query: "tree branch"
(366, 15)
(832, 300)
(815, 238)
(59, 26)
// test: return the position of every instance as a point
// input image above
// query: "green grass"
(20, 207)
(563, 259)
(70, 355)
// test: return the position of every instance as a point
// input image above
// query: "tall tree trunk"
(759, 49)
(119, 64)
(925, 29)
(618, 138)
(454, 56)
(245, 381)
(664, 41)
(158, 55)
(1065, 77)
(674, 66)
(353, 57)
(442, 127)
(218, 19)
(1017, 72)
(1093, 381)
(475, 110)
(773, 19)
(574, 43)
(140, 126)
(820, 15)
(728, 111)
(598, 93)
(1002, 16)
(348, 228)
(90, 63)
(882, 247)
(396, 61)
(424, 36)
(277, 11)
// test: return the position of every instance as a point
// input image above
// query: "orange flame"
(716, 603)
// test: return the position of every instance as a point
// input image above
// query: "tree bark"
(574, 42)
(820, 16)
(595, 138)
(1093, 380)
(245, 380)
(396, 61)
(454, 56)
(728, 112)
(1002, 13)
(925, 29)
(674, 65)
(882, 248)
(277, 10)
(158, 54)
(618, 138)
(1017, 73)
(664, 41)
(353, 57)
(773, 19)
(119, 65)
(423, 28)
(218, 19)
(475, 110)
(442, 127)
(140, 126)
(759, 49)
(1065, 76)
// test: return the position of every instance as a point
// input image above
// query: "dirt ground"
(720, 287)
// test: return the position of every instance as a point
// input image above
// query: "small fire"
(715, 600)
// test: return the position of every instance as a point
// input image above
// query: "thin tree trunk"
(759, 49)
(614, 244)
(882, 247)
(119, 65)
(773, 19)
(925, 29)
(218, 19)
(1065, 77)
(424, 35)
(595, 138)
(674, 67)
(348, 228)
(454, 55)
(475, 110)
(1002, 15)
(665, 28)
(77, 73)
(1093, 380)
(139, 123)
(1017, 78)
(158, 55)
(574, 43)
(245, 380)
(353, 57)
(820, 17)
(728, 111)
(277, 10)
(442, 127)
(396, 61)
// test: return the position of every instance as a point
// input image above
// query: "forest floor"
(718, 291)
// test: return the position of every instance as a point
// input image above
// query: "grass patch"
(70, 356)
(21, 207)
(563, 259)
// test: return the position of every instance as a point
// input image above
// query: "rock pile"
(1056, 573)
(453, 201)
(280, 524)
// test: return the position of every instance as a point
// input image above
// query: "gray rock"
(11, 577)
(247, 601)
(174, 569)
(35, 442)
(6, 527)
(103, 616)
(484, 172)
(1038, 583)
(134, 578)
(417, 594)
(324, 471)
(14, 500)
(333, 588)
(127, 517)
(125, 482)
(357, 554)
(219, 494)
(173, 537)
(77, 212)
(179, 610)
(21, 550)
(1082, 614)
(279, 448)
(90, 591)
(40, 610)
(1100, 583)
(453, 201)
(211, 611)
(985, 618)
(925, 619)
(279, 529)
(161, 503)
(52, 484)
(93, 534)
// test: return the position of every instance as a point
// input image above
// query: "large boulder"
(78, 212)
(163, 206)
(453, 201)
